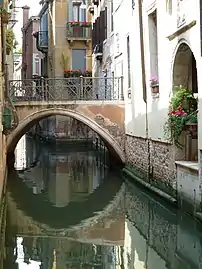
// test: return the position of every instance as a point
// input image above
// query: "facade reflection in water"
(122, 227)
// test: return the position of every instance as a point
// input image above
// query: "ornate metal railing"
(64, 89)
(79, 30)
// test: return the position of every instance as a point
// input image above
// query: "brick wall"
(154, 161)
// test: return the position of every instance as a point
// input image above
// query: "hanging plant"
(182, 110)
(11, 42)
(5, 15)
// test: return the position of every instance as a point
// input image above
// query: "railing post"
(81, 88)
(121, 92)
(42, 88)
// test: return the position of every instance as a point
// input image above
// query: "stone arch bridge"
(103, 114)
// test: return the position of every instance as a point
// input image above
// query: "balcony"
(66, 89)
(79, 31)
(41, 40)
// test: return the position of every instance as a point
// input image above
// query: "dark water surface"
(67, 209)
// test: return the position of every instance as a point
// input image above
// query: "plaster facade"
(60, 43)
(31, 57)
(168, 26)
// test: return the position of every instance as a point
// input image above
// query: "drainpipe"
(200, 7)
(4, 65)
(144, 87)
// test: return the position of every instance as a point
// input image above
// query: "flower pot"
(86, 25)
(75, 24)
(155, 89)
(192, 129)
(5, 17)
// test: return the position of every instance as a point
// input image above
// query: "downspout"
(4, 65)
(144, 86)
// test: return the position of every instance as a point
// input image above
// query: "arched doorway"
(185, 76)
(184, 69)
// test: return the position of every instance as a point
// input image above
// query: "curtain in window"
(82, 14)
(70, 10)
(79, 14)
(75, 13)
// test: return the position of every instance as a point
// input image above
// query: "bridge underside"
(106, 118)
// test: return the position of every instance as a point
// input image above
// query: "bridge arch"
(29, 121)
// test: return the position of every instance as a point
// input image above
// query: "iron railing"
(64, 89)
(78, 31)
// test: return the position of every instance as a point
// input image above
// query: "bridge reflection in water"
(69, 210)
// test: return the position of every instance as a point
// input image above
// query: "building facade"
(31, 56)
(64, 37)
(161, 42)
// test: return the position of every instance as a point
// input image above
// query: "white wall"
(17, 71)
(126, 22)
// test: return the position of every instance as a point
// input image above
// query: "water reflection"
(66, 209)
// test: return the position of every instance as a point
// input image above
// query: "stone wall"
(152, 160)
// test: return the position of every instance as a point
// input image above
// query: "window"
(153, 44)
(128, 61)
(105, 23)
(79, 59)
(36, 65)
(117, 43)
(79, 14)
(44, 22)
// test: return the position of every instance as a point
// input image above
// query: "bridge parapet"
(66, 89)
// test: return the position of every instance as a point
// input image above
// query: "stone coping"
(188, 164)
(69, 102)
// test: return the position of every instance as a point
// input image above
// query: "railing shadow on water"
(66, 89)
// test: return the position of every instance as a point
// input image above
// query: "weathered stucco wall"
(58, 41)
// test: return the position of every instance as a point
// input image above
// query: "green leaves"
(182, 110)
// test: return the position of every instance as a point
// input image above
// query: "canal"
(67, 209)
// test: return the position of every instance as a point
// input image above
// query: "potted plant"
(85, 24)
(74, 23)
(64, 61)
(154, 84)
(11, 43)
(191, 125)
(181, 115)
(5, 15)
(77, 73)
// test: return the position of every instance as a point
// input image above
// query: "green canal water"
(66, 209)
